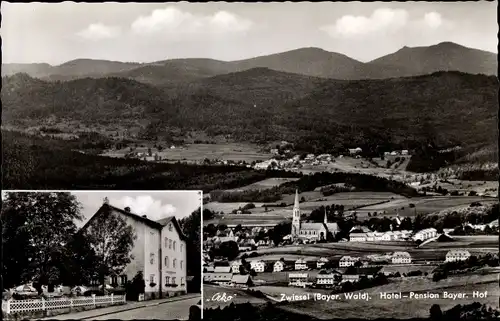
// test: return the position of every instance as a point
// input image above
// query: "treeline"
(361, 182)
(470, 265)
(31, 162)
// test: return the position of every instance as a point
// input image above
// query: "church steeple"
(296, 204)
(296, 215)
(325, 220)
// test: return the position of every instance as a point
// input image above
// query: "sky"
(156, 205)
(145, 32)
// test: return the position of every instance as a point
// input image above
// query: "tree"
(41, 224)
(191, 228)
(229, 250)
(112, 240)
(210, 229)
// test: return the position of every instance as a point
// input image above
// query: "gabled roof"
(241, 279)
(153, 224)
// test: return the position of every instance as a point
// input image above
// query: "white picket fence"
(16, 306)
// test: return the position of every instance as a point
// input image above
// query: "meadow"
(199, 152)
(405, 307)
(264, 184)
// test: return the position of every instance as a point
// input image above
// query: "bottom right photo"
(313, 260)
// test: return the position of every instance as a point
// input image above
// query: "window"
(182, 281)
(166, 242)
(170, 227)
(169, 244)
(182, 264)
(152, 258)
(167, 262)
(182, 246)
(152, 278)
(175, 243)
(113, 279)
(173, 263)
(167, 280)
(123, 279)
(173, 280)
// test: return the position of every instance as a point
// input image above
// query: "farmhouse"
(159, 251)
(358, 237)
(241, 280)
(347, 261)
(425, 234)
(401, 258)
(297, 279)
(278, 266)
(457, 255)
(311, 231)
(300, 264)
(218, 278)
(355, 151)
(328, 279)
(322, 261)
(354, 274)
(222, 269)
(258, 266)
(235, 266)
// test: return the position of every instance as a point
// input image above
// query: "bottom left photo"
(101, 255)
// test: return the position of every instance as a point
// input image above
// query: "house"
(158, 251)
(358, 237)
(404, 152)
(300, 264)
(327, 279)
(457, 255)
(347, 261)
(297, 279)
(222, 269)
(278, 266)
(241, 281)
(322, 261)
(354, 274)
(401, 258)
(355, 151)
(425, 234)
(258, 266)
(235, 266)
(218, 278)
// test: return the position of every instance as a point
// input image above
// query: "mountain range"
(314, 62)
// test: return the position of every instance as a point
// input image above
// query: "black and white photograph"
(100, 255)
(346, 152)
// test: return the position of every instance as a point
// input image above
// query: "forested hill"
(449, 108)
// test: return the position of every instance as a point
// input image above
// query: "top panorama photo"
(244, 101)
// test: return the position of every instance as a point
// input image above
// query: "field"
(265, 184)
(272, 277)
(239, 296)
(435, 251)
(405, 307)
(198, 152)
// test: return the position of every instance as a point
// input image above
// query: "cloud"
(433, 19)
(173, 21)
(145, 205)
(381, 20)
(99, 31)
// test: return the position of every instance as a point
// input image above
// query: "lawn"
(405, 307)
(239, 296)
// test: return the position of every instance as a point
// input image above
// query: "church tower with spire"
(296, 215)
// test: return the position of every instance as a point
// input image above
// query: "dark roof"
(363, 270)
(154, 224)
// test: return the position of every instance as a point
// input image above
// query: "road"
(164, 311)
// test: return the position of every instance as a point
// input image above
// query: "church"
(310, 231)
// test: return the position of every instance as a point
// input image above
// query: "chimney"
(106, 200)
(145, 216)
(127, 209)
